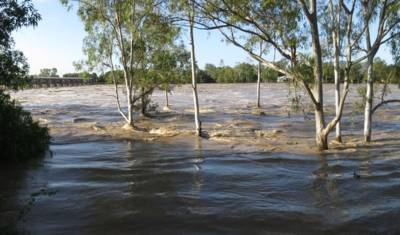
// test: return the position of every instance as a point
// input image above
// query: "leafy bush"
(21, 138)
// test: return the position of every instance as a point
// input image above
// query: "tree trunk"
(321, 137)
(322, 140)
(194, 82)
(337, 101)
(258, 84)
(368, 102)
(130, 107)
(259, 79)
(166, 98)
(370, 85)
(336, 65)
(143, 103)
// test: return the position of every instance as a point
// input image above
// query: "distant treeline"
(247, 73)
(383, 72)
(84, 75)
(241, 73)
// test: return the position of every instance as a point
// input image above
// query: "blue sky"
(57, 42)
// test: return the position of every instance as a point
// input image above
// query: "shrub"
(21, 138)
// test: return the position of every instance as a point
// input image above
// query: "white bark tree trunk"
(259, 79)
(321, 135)
(193, 67)
(130, 107)
(336, 63)
(370, 84)
(258, 84)
(368, 102)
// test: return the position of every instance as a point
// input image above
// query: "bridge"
(39, 82)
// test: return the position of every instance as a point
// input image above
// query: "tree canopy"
(21, 138)
(14, 14)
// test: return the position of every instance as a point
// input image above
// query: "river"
(180, 184)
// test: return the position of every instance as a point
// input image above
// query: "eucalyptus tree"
(172, 68)
(191, 16)
(259, 69)
(259, 79)
(290, 27)
(127, 35)
(344, 35)
(387, 28)
(335, 38)
(183, 13)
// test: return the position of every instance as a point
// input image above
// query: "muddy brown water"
(186, 185)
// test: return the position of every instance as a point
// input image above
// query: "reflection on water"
(191, 185)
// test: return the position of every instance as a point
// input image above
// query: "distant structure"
(39, 82)
(282, 79)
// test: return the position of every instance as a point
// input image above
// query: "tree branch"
(337, 117)
(383, 103)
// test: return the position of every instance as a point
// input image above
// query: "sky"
(57, 42)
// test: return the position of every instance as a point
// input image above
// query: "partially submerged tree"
(191, 16)
(259, 76)
(344, 37)
(286, 26)
(259, 80)
(183, 14)
(387, 28)
(335, 30)
(127, 35)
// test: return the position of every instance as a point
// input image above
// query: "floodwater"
(180, 184)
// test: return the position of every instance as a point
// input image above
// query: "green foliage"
(171, 67)
(303, 69)
(383, 73)
(13, 69)
(14, 15)
(48, 73)
(357, 73)
(241, 73)
(107, 76)
(85, 75)
(21, 138)
(133, 43)
(204, 77)
(269, 75)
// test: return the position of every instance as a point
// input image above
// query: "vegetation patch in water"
(21, 138)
